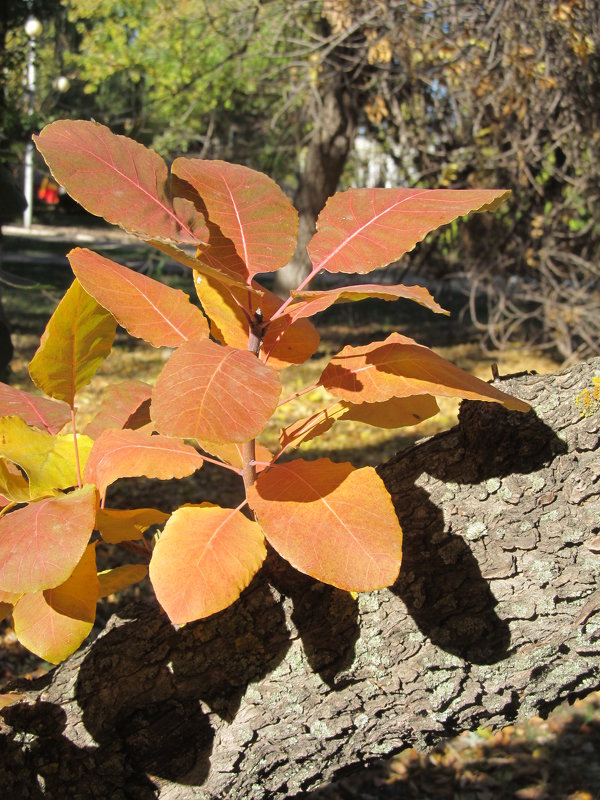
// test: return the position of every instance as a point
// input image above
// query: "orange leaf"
(119, 406)
(214, 393)
(76, 341)
(204, 558)
(398, 412)
(118, 179)
(249, 208)
(308, 303)
(39, 412)
(41, 543)
(117, 525)
(162, 316)
(284, 342)
(130, 454)
(52, 624)
(331, 521)
(362, 229)
(399, 367)
(229, 274)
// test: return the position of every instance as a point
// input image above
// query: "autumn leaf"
(362, 229)
(205, 557)
(249, 209)
(308, 303)
(53, 623)
(49, 461)
(146, 308)
(111, 581)
(41, 543)
(284, 342)
(118, 179)
(120, 406)
(39, 412)
(122, 525)
(231, 453)
(13, 486)
(76, 341)
(130, 454)
(217, 269)
(398, 412)
(399, 367)
(214, 393)
(331, 521)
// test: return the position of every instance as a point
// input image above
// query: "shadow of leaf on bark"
(440, 580)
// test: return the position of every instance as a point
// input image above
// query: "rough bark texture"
(495, 618)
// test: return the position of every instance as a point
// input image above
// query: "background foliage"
(497, 93)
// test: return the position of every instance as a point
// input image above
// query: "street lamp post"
(33, 28)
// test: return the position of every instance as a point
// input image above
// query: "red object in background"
(48, 192)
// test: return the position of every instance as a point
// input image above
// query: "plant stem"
(249, 448)
(281, 310)
(298, 394)
(79, 484)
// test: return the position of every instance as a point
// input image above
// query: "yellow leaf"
(49, 461)
(12, 484)
(116, 525)
(76, 341)
(119, 578)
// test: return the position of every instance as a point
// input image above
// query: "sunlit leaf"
(399, 367)
(131, 454)
(53, 623)
(204, 558)
(146, 308)
(40, 412)
(49, 461)
(118, 179)
(331, 521)
(248, 207)
(214, 393)
(41, 543)
(362, 229)
(398, 412)
(308, 303)
(114, 580)
(76, 341)
(119, 407)
(117, 525)
(284, 342)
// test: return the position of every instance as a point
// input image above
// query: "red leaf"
(39, 412)
(362, 229)
(399, 367)
(162, 316)
(130, 454)
(249, 208)
(119, 404)
(41, 543)
(214, 393)
(118, 179)
(308, 303)
(331, 521)
(204, 558)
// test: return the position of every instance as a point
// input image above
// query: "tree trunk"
(495, 618)
(331, 141)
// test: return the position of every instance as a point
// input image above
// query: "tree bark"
(495, 618)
